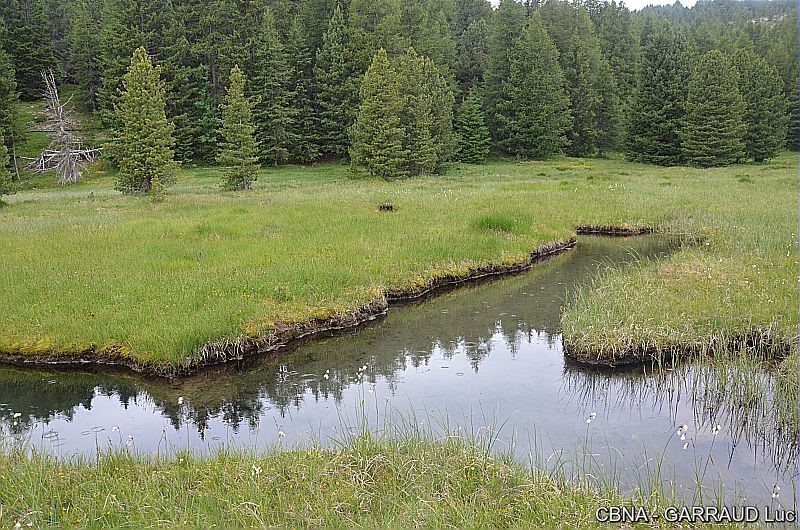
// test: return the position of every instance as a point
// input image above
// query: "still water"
(483, 361)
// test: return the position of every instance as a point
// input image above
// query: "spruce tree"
(619, 40)
(144, 144)
(238, 149)
(782, 53)
(764, 115)
(440, 92)
(274, 114)
(336, 87)
(377, 135)
(504, 29)
(591, 87)
(659, 102)
(303, 146)
(84, 49)
(29, 44)
(713, 129)
(416, 116)
(6, 181)
(473, 50)
(118, 39)
(534, 117)
(474, 141)
(8, 98)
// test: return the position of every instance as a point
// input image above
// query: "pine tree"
(427, 29)
(84, 49)
(376, 24)
(274, 114)
(620, 44)
(590, 82)
(783, 54)
(303, 145)
(336, 87)
(6, 181)
(29, 45)
(765, 107)
(660, 99)
(238, 150)
(442, 101)
(416, 116)
(473, 56)
(504, 29)
(474, 141)
(8, 98)
(534, 118)
(377, 135)
(144, 145)
(118, 39)
(713, 128)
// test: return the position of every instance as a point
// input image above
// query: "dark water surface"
(469, 361)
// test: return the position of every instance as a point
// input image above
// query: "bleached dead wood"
(65, 153)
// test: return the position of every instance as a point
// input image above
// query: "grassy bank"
(403, 483)
(87, 270)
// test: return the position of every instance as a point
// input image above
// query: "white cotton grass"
(591, 417)
(281, 434)
(776, 491)
(180, 400)
(716, 429)
(255, 470)
(327, 374)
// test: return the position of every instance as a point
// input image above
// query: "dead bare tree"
(65, 153)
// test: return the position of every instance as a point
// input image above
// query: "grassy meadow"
(88, 269)
(369, 482)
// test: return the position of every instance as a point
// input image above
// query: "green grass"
(85, 267)
(404, 482)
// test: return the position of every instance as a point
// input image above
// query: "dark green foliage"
(504, 29)
(620, 43)
(377, 135)
(427, 117)
(472, 134)
(8, 98)
(765, 107)
(473, 56)
(6, 181)
(426, 28)
(336, 86)
(84, 48)
(660, 99)
(534, 117)
(404, 125)
(303, 133)
(118, 40)
(29, 44)
(591, 87)
(143, 147)
(375, 24)
(781, 44)
(713, 128)
(305, 75)
(238, 147)
(274, 96)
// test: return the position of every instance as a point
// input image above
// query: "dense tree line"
(437, 80)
